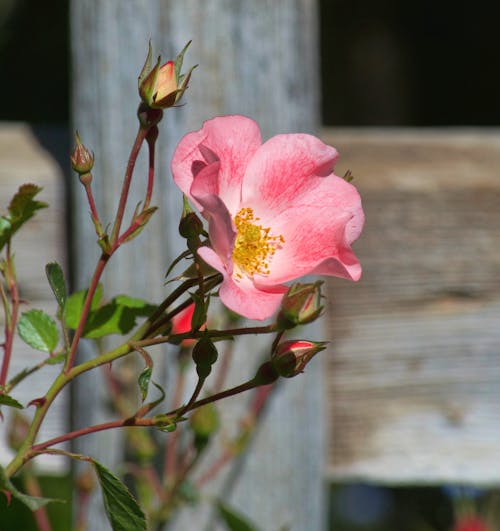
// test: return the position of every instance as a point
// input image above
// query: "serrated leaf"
(38, 330)
(143, 381)
(6, 400)
(30, 501)
(141, 307)
(55, 276)
(21, 208)
(74, 305)
(234, 520)
(122, 509)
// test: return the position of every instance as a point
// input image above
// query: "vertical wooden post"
(256, 57)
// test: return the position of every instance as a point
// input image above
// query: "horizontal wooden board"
(413, 376)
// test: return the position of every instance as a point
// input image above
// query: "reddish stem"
(85, 311)
(141, 135)
(151, 140)
(93, 210)
(170, 459)
(130, 422)
(10, 323)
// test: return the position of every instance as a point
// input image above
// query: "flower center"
(254, 245)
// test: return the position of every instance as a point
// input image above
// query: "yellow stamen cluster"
(254, 246)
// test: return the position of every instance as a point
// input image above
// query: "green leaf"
(144, 379)
(234, 520)
(74, 306)
(54, 360)
(122, 509)
(30, 501)
(21, 208)
(55, 277)
(38, 330)
(6, 400)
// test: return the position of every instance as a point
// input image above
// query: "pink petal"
(243, 296)
(220, 225)
(281, 169)
(233, 140)
(318, 229)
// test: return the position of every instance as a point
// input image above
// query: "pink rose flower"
(275, 211)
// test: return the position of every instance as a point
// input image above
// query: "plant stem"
(101, 264)
(151, 140)
(10, 317)
(217, 396)
(129, 422)
(141, 135)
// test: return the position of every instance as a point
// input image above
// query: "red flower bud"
(291, 357)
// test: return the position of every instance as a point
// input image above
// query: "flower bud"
(162, 86)
(301, 305)
(291, 357)
(82, 160)
(204, 355)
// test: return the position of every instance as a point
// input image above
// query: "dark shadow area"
(34, 61)
(409, 63)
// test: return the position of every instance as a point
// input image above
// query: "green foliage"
(6, 400)
(121, 507)
(30, 501)
(233, 519)
(55, 277)
(21, 208)
(144, 379)
(38, 330)
(118, 316)
(15, 515)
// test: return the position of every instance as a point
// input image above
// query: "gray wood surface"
(414, 369)
(256, 57)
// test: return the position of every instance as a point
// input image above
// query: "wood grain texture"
(414, 368)
(258, 58)
(41, 240)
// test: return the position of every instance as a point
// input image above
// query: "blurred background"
(383, 63)
(421, 63)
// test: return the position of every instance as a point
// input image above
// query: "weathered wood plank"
(40, 241)
(414, 369)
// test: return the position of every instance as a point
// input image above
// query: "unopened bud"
(82, 160)
(291, 357)
(204, 355)
(162, 85)
(301, 305)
